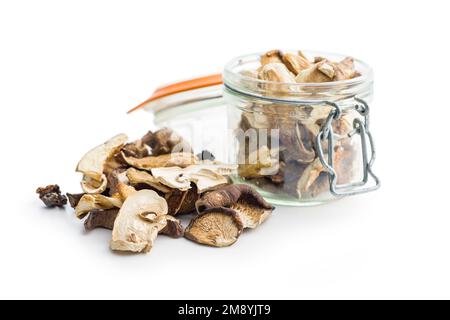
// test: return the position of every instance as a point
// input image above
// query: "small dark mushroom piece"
(101, 219)
(248, 204)
(74, 198)
(173, 229)
(136, 149)
(165, 141)
(216, 227)
(51, 196)
(182, 202)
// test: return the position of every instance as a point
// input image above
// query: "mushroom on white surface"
(89, 202)
(131, 231)
(93, 162)
(179, 159)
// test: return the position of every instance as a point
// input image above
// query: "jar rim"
(241, 82)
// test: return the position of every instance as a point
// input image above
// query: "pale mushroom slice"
(345, 69)
(136, 177)
(172, 226)
(249, 205)
(89, 202)
(93, 162)
(295, 63)
(309, 176)
(259, 163)
(272, 56)
(131, 232)
(179, 159)
(216, 227)
(205, 176)
(322, 71)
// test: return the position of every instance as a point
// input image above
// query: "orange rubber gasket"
(197, 83)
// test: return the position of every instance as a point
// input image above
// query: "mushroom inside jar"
(284, 157)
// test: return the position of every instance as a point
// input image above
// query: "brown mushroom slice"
(89, 202)
(250, 206)
(271, 57)
(115, 177)
(93, 162)
(74, 198)
(101, 219)
(136, 149)
(165, 141)
(216, 227)
(182, 160)
(136, 177)
(131, 232)
(205, 176)
(295, 63)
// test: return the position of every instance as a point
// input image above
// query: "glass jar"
(300, 143)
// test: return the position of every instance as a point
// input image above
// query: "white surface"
(70, 70)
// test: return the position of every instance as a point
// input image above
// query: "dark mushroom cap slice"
(216, 227)
(101, 219)
(250, 206)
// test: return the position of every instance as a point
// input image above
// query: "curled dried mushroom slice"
(137, 177)
(249, 205)
(92, 164)
(51, 196)
(136, 149)
(273, 56)
(166, 160)
(205, 176)
(90, 202)
(131, 232)
(295, 63)
(165, 141)
(217, 227)
(182, 202)
(314, 74)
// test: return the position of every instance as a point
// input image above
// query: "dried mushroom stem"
(101, 219)
(51, 196)
(216, 227)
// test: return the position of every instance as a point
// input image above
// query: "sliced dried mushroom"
(89, 202)
(136, 149)
(295, 63)
(74, 198)
(165, 160)
(273, 56)
(131, 232)
(217, 227)
(173, 227)
(259, 163)
(276, 72)
(136, 177)
(125, 190)
(115, 177)
(51, 196)
(309, 176)
(92, 164)
(165, 141)
(101, 219)
(249, 205)
(345, 69)
(205, 176)
(314, 74)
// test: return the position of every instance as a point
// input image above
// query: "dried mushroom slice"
(276, 72)
(216, 227)
(273, 56)
(89, 202)
(250, 206)
(137, 149)
(309, 176)
(173, 227)
(295, 63)
(259, 163)
(125, 190)
(92, 164)
(166, 160)
(205, 176)
(74, 198)
(136, 177)
(314, 74)
(51, 196)
(165, 141)
(115, 177)
(131, 232)
(101, 219)
(345, 69)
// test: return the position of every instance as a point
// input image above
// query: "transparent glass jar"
(300, 143)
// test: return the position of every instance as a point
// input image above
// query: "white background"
(70, 69)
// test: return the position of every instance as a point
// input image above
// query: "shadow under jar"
(300, 143)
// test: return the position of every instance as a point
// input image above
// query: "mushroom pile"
(136, 189)
(292, 166)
